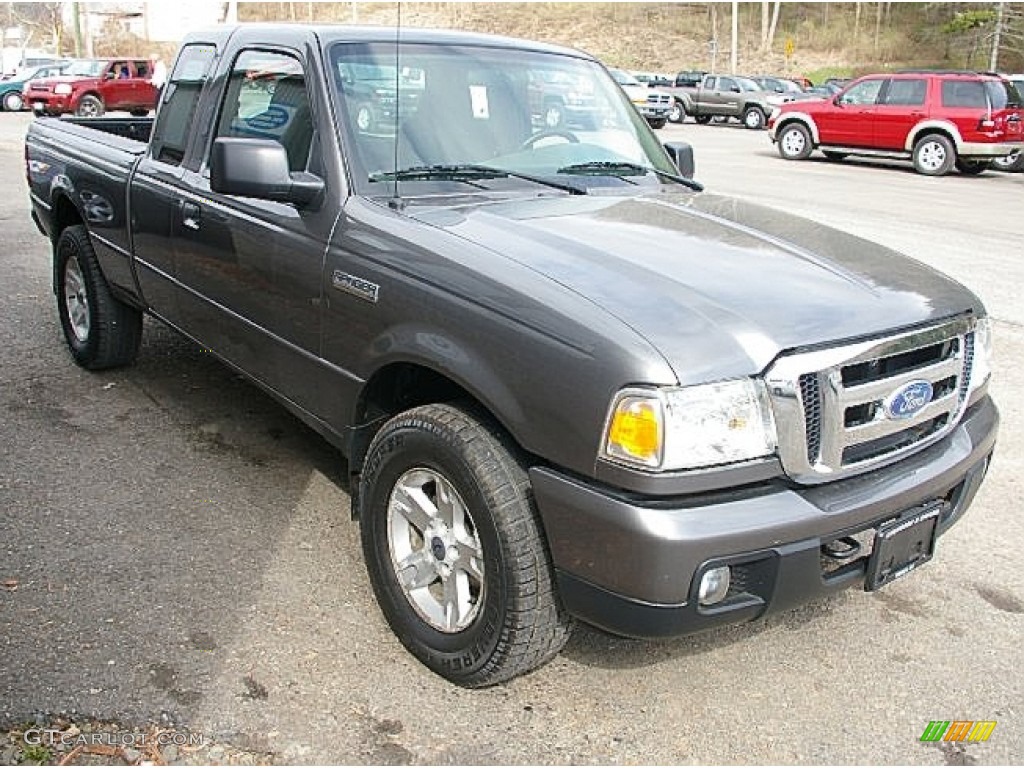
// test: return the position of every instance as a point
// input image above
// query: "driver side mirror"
(259, 168)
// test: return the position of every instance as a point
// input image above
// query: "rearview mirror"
(682, 156)
(259, 168)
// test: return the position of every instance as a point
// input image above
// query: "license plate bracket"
(902, 545)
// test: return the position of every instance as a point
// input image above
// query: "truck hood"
(718, 286)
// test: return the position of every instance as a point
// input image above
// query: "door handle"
(191, 215)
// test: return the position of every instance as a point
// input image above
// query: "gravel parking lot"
(176, 548)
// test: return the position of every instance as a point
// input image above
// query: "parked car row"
(86, 87)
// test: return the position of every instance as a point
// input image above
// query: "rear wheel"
(835, 157)
(454, 548)
(934, 155)
(973, 167)
(139, 112)
(753, 118)
(100, 331)
(656, 122)
(13, 101)
(794, 142)
(90, 106)
(703, 119)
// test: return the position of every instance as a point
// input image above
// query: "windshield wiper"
(467, 172)
(623, 169)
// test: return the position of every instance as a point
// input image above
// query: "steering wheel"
(550, 133)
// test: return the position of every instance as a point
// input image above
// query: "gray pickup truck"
(567, 383)
(722, 96)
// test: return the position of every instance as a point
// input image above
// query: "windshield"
(552, 118)
(86, 68)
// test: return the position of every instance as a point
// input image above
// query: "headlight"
(62, 89)
(677, 428)
(981, 368)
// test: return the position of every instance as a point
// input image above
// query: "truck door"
(251, 270)
(156, 187)
(726, 97)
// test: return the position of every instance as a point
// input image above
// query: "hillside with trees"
(781, 37)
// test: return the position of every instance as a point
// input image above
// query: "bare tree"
(774, 25)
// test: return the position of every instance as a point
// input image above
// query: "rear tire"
(794, 142)
(100, 331)
(702, 119)
(972, 167)
(835, 157)
(90, 106)
(934, 155)
(454, 547)
(656, 122)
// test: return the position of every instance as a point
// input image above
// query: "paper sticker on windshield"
(478, 97)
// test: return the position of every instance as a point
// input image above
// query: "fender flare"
(798, 117)
(936, 126)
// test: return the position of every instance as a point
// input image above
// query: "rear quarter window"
(964, 93)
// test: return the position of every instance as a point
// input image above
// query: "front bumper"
(48, 103)
(632, 565)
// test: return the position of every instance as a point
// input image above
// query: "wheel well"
(926, 132)
(782, 124)
(64, 215)
(754, 105)
(395, 388)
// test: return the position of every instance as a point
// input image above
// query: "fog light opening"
(714, 585)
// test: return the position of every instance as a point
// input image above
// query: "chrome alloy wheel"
(76, 299)
(793, 143)
(932, 156)
(435, 550)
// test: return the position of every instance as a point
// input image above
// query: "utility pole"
(76, 22)
(735, 36)
(993, 62)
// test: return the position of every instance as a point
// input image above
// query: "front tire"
(934, 155)
(656, 122)
(677, 113)
(454, 548)
(100, 331)
(753, 118)
(794, 142)
(13, 101)
(90, 106)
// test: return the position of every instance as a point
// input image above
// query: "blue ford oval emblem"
(908, 400)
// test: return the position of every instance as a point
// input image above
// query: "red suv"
(93, 86)
(939, 120)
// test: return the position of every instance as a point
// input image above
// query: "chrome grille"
(834, 408)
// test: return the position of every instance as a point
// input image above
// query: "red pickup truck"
(91, 87)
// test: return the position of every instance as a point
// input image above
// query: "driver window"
(266, 98)
(727, 84)
(863, 93)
